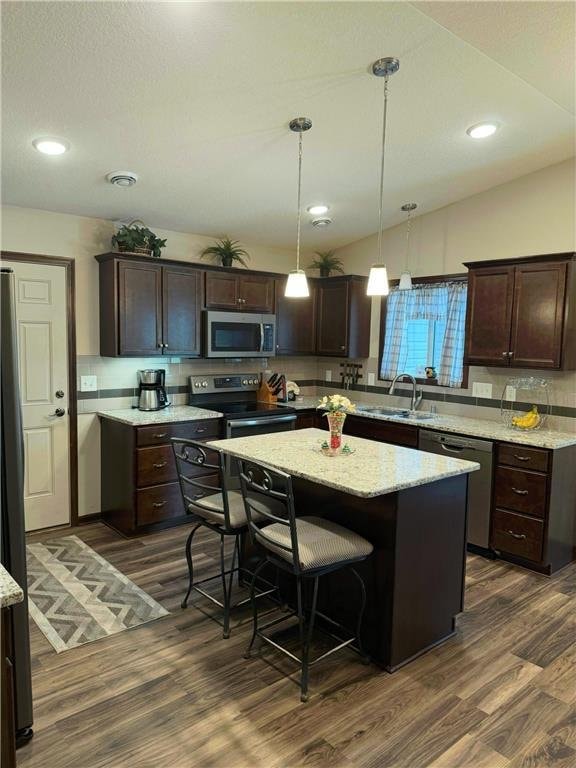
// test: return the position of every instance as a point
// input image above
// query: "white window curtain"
(428, 301)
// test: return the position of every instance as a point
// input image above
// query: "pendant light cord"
(299, 196)
(408, 225)
(381, 207)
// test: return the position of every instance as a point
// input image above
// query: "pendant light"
(297, 284)
(378, 278)
(406, 277)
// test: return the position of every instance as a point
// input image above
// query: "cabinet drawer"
(159, 503)
(192, 430)
(521, 491)
(525, 458)
(155, 465)
(517, 534)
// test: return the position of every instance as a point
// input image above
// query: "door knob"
(59, 412)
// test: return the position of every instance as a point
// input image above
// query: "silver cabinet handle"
(160, 465)
(158, 504)
(520, 491)
(160, 434)
(521, 458)
(516, 535)
(504, 354)
(160, 345)
(199, 430)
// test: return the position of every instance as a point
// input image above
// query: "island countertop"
(373, 469)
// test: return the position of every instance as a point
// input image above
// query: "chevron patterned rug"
(75, 596)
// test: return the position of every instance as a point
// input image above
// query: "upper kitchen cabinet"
(148, 308)
(242, 292)
(295, 322)
(343, 317)
(521, 313)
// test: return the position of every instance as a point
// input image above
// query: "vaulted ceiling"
(196, 99)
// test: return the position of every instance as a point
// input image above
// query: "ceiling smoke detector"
(322, 221)
(122, 178)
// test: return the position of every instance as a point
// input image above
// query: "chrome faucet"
(416, 395)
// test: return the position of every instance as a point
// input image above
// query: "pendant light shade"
(405, 281)
(406, 277)
(297, 284)
(378, 281)
(378, 278)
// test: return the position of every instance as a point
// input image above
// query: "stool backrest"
(269, 498)
(191, 455)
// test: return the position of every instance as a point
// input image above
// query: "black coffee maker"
(152, 392)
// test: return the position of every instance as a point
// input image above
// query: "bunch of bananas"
(530, 420)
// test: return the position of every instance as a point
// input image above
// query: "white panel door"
(43, 368)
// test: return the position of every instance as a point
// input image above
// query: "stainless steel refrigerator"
(12, 531)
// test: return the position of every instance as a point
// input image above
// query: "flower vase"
(336, 423)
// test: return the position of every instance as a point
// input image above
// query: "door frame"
(70, 274)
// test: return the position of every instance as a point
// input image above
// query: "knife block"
(265, 395)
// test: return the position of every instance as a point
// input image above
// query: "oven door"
(250, 427)
(237, 334)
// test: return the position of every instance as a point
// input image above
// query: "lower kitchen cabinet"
(308, 419)
(140, 487)
(534, 506)
(382, 431)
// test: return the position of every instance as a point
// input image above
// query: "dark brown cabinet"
(148, 309)
(246, 292)
(533, 503)
(139, 481)
(520, 313)
(343, 317)
(382, 431)
(295, 322)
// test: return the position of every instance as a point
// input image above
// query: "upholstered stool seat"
(321, 543)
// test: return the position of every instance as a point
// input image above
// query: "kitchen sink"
(403, 413)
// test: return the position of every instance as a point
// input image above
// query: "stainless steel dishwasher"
(479, 482)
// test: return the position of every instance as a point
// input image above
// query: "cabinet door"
(489, 314)
(537, 315)
(333, 317)
(256, 293)
(222, 291)
(181, 298)
(295, 322)
(139, 309)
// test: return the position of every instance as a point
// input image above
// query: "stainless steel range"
(236, 397)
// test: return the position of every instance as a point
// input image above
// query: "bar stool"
(307, 547)
(218, 509)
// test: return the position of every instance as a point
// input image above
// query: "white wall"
(530, 215)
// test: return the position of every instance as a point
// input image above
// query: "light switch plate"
(371, 379)
(481, 389)
(510, 394)
(327, 375)
(88, 383)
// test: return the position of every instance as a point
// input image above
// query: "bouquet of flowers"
(336, 407)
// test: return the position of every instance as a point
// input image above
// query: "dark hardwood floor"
(173, 693)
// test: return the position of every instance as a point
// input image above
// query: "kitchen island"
(412, 507)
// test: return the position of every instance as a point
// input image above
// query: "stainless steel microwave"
(239, 334)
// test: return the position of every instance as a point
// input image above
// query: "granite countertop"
(463, 425)
(10, 592)
(173, 413)
(374, 469)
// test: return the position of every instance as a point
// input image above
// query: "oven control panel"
(238, 382)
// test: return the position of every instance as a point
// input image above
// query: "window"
(425, 327)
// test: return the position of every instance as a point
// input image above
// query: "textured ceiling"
(196, 98)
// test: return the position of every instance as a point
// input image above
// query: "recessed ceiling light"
(318, 210)
(49, 146)
(482, 130)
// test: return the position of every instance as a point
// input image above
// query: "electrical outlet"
(371, 379)
(510, 394)
(481, 389)
(88, 383)
(327, 375)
